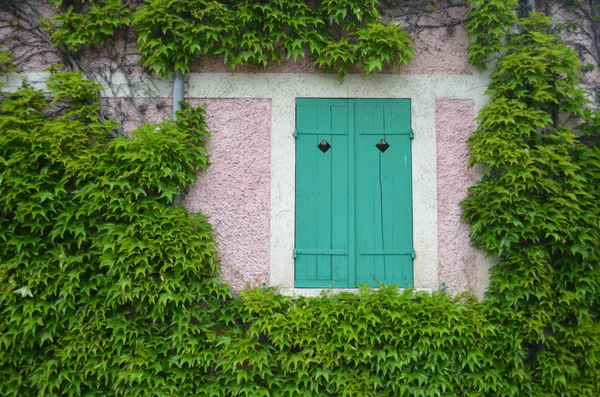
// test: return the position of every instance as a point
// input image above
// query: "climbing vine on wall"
(102, 281)
(107, 289)
(173, 34)
(538, 206)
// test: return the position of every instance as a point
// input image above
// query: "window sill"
(316, 292)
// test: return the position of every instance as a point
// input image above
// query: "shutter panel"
(383, 193)
(353, 198)
(321, 194)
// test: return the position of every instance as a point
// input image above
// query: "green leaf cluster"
(538, 206)
(105, 287)
(173, 34)
(98, 22)
(376, 343)
(6, 64)
(488, 21)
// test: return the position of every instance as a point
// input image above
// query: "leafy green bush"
(105, 287)
(376, 343)
(488, 22)
(99, 22)
(538, 206)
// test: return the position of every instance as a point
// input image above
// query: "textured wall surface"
(28, 50)
(457, 264)
(235, 190)
(440, 52)
(132, 112)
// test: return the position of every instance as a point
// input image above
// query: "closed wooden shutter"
(322, 214)
(353, 193)
(383, 192)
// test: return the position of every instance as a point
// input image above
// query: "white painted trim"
(283, 89)
(317, 292)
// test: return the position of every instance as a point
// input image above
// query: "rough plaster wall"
(29, 53)
(457, 259)
(440, 51)
(146, 110)
(235, 191)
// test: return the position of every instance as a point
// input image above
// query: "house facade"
(316, 184)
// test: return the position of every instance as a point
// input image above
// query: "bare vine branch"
(419, 15)
(32, 48)
(579, 23)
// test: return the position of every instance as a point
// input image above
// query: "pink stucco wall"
(440, 51)
(457, 259)
(132, 112)
(235, 190)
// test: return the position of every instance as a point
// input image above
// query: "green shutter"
(322, 194)
(383, 193)
(353, 201)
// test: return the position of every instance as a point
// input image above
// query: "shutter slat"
(339, 204)
(323, 201)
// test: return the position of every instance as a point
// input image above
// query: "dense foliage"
(172, 34)
(106, 288)
(538, 206)
(373, 344)
(103, 283)
(488, 22)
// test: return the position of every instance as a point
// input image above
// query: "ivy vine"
(538, 206)
(107, 289)
(173, 34)
(104, 285)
